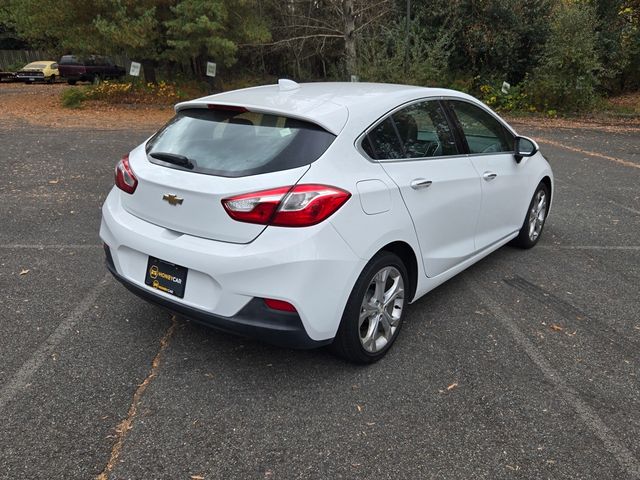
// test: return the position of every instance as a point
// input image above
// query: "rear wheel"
(375, 310)
(52, 79)
(72, 82)
(534, 221)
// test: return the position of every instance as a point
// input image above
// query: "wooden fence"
(13, 58)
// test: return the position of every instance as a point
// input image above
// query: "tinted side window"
(484, 133)
(424, 131)
(383, 142)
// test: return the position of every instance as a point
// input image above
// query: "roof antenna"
(285, 85)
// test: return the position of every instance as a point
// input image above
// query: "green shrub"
(570, 70)
(515, 100)
(73, 97)
(383, 56)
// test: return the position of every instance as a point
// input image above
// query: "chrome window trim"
(360, 138)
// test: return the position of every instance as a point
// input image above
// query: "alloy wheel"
(537, 215)
(381, 309)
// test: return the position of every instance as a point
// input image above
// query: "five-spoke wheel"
(381, 309)
(536, 215)
(375, 309)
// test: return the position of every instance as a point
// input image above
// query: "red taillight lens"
(125, 179)
(279, 305)
(257, 207)
(298, 206)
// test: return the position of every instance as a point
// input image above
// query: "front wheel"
(534, 221)
(375, 310)
(52, 79)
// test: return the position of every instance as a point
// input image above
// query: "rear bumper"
(27, 77)
(311, 268)
(254, 320)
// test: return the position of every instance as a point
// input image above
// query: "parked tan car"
(41, 71)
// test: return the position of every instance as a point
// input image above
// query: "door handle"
(488, 176)
(419, 183)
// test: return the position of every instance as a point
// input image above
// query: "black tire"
(347, 343)
(525, 238)
(72, 82)
(52, 79)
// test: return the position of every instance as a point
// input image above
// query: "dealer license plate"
(166, 277)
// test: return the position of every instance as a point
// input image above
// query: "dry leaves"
(24, 271)
(41, 106)
(452, 386)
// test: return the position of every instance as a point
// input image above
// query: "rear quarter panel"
(365, 233)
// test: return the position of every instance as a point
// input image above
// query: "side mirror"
(524, 147)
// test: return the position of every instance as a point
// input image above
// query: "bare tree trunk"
(349, 37)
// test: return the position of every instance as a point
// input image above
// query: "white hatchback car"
(312, 214)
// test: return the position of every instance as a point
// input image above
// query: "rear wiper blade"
(173, 158)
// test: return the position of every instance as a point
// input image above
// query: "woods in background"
(561, 54)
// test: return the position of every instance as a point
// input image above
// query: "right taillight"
(298, 206)
(125, 178)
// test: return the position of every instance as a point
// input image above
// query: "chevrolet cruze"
(312, 214)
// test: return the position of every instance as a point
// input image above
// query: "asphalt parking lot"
(524, 366)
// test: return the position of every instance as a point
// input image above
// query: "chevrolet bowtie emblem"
(172, 199)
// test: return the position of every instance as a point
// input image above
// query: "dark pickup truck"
(92, 68)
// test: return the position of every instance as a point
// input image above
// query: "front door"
(504, 181)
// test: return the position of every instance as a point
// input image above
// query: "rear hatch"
(205, 155)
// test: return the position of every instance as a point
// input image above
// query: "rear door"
(230, 152)
(439, 186)
(504, 182)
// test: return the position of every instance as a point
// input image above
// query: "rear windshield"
(70, 60)
(36, 65)
(237, 143)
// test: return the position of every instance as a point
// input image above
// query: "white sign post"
(506, 86)
(134, 71)
(211, 69)
(355, 78)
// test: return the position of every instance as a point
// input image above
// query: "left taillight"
(125, 178)
(296, 206)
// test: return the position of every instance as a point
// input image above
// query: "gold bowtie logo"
(172, 199)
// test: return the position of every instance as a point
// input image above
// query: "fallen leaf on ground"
(556, 328)
(452, 386)
(24, 271)
(359, 408)
(53, 182)
(197, 477)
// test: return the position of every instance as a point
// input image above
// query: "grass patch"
(130, 93)
(73, 97)
(161, 93)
